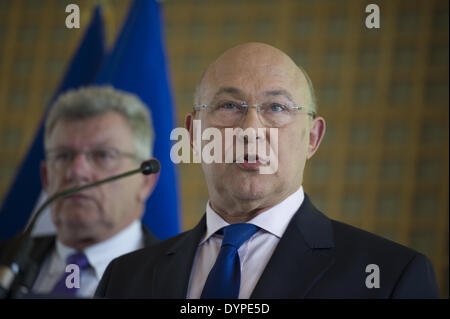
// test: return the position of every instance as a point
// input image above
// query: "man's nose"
(252, 120)
(80, 168)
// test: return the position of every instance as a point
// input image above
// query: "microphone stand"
(22, 244)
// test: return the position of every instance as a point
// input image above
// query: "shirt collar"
(101, 254)
(274, 220)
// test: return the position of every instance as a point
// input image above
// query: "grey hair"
(87, 102)
(312, 93)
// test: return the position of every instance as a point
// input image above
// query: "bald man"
(261, 237)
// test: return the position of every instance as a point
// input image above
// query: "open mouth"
(250, 161)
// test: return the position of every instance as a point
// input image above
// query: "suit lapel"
(149, 238)
(172, 273)
(42, 246)
(301, 258)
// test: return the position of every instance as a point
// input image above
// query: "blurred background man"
(90, 134)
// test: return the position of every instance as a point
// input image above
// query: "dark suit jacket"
(316, 258)
(42, 247)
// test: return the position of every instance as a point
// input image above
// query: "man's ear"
(316, 135)
(148, 185)
(43, 173)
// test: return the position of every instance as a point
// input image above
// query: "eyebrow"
(229, 90)
(279, 92)
(238, 92)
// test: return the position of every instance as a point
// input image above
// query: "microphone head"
(150, 167)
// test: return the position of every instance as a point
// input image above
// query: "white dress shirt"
(98, 255)
(254, 254)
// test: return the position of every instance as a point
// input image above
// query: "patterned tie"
(60, 287)
(224, 280)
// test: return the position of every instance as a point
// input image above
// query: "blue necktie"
(60, 287)
(224, 280)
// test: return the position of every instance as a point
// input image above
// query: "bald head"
(255, 61)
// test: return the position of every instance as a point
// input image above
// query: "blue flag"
(26, 188)
(137, 64)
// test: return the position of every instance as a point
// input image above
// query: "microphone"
(150, 167)
(15, 258)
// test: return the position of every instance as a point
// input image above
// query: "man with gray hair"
(90, 134)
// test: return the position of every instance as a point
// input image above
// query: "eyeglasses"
(273, 114)
(103, 159)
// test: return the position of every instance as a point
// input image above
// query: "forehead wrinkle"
(105, 143)
(297, 93)
(103, 130)
(238, 93)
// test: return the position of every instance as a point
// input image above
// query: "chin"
(73, 230)
(250, 195)
(78, 238)
(251, 188)
(75, 217)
